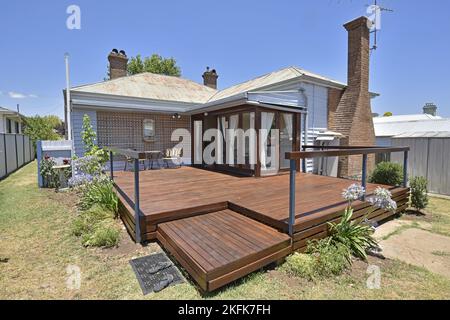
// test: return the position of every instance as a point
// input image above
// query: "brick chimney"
(353, 115)
(430, 108)
(118, 62)
(210, 78)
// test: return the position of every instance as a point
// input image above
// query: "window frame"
(150, 138)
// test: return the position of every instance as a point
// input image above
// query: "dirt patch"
(418, 247)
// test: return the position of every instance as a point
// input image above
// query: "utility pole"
(68, 100)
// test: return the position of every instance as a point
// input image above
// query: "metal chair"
(154, 156)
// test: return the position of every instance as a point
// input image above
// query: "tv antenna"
(375, 21)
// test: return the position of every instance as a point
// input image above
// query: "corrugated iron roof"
(391, 129)
(268, 80)
(152, 86)
(406, 117)
(425, 134)
(167, 88)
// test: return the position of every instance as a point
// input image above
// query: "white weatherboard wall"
(77, 127)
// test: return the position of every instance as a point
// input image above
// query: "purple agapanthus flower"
(354, 192)
(382, 199)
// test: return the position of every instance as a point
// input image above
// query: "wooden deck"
(221, 227)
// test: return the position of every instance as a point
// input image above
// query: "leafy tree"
(388, 114)
(40, 128)
(89, 137)
(154, 64)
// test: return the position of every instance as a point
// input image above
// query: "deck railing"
(336, 151)
(135, 156)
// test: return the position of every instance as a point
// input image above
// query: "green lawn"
(36, 247)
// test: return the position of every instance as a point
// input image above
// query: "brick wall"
(353, 115)
(125, 130)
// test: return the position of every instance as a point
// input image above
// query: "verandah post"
(405, 169)
(293, 172)
(137, 209)
(364, 175)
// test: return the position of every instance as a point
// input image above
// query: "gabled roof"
(9, 112)
(152, 86)
(167, 88)
(271, 79)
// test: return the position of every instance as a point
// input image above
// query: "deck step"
(220, 247)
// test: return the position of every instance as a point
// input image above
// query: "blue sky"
(241, 39)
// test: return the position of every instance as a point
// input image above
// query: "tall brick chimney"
(353, 115)
(118, 62)
(210, 78)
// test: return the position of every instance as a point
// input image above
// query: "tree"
(388, 114)
(154, 64)
(41, 128)
(419, 193)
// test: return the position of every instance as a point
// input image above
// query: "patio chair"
(154, 157)
(173, 155)
(131, 161)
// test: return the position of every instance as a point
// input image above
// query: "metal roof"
(406, 117)
(425, 134)
(152, 86)
(270, 79)
(391, 129)
(168, 88)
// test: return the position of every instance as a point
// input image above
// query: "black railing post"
(405, 169)
(137, 209)
(111, 165)
(364, 175)
(293, 172)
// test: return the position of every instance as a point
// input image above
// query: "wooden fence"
(16, 150)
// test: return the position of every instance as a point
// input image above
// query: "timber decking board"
(218, 243)
(177, 193)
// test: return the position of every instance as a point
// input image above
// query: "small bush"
(387, 173)
(103, 235)
(330, 258)
(323, 259)
(96, 227)
(419, 193)
(100, 192)
(300, 265)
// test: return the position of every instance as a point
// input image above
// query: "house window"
(8, 126)
(17, 127)
(149, 130)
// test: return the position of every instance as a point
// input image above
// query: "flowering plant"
(357, 236)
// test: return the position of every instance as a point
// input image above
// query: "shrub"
(50, 175)
(323, 259)
(103, 235)
(387, 173)
(419, 193)
(96, 227)
(101, 192)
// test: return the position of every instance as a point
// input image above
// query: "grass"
(37, 245)
(439, 212)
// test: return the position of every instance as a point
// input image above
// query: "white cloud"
(18, 95)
